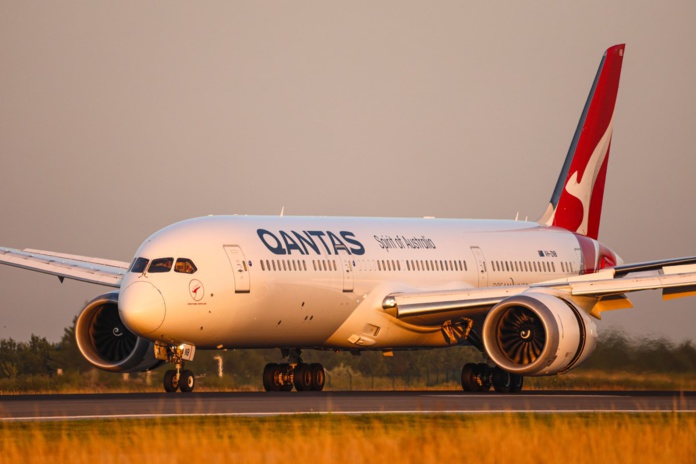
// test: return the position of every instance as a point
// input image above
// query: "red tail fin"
(576, 204)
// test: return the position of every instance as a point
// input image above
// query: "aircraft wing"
(601, 291)
(66, 266)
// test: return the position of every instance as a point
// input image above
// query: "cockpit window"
(139, 265)
(161, 265)
(185, 266)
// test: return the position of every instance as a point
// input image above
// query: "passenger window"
(185, 265)
(139, 265)
(161, 265)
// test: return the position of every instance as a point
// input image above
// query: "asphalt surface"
(148, 405)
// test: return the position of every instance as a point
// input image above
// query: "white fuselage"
(318, 282)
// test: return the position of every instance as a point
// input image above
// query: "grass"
(582, 438)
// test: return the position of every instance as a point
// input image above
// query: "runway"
(153, 405)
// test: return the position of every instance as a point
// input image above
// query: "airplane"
(524, 293)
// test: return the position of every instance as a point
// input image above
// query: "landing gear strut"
(304, 377)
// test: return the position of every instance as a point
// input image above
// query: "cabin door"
(239, 268)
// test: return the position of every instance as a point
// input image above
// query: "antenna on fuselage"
(282, 211)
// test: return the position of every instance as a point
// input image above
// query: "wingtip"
(617, 49)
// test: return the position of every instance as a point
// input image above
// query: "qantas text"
(284, 243)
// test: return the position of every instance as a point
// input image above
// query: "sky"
(120, 118)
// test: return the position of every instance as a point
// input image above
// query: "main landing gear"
(481, 377)
(304, 377)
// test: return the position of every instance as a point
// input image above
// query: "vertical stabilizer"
(576, 203)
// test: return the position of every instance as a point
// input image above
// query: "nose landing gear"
(179, 378)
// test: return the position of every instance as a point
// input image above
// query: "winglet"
(576, 203)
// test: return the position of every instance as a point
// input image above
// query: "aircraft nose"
(141, 307)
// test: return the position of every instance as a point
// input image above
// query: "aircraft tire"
(269, 372)
(318, 376)
(171, 384)
(483, 372)
(469, 383)
(302, 377)
(517, 382)
(187, 381)
(284, 371)
(501, 380)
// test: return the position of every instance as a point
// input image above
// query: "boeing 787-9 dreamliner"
(523, 293)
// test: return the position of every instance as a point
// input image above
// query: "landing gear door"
(239, 268)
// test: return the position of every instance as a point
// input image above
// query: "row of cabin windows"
(366, 265)
(297, 265)
(284, 265)
(530, 266)
(411, 265)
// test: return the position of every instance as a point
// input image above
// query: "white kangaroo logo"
(583, 190)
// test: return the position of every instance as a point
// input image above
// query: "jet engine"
(105, 341)
(538, 334)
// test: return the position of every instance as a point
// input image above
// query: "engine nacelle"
(105, 341)
(538, 334)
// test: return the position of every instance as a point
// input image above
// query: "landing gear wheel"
(284, 378)
(469, 383)
(502, 380)
(171, 382)
(187, 381)
(303, 377)
(516, 383)
(483, 372)
(318, 376)
(269, 374)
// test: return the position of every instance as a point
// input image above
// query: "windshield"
(161, 265)
(185, 266)
(139, 265)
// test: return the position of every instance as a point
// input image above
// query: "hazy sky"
(119, 118)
